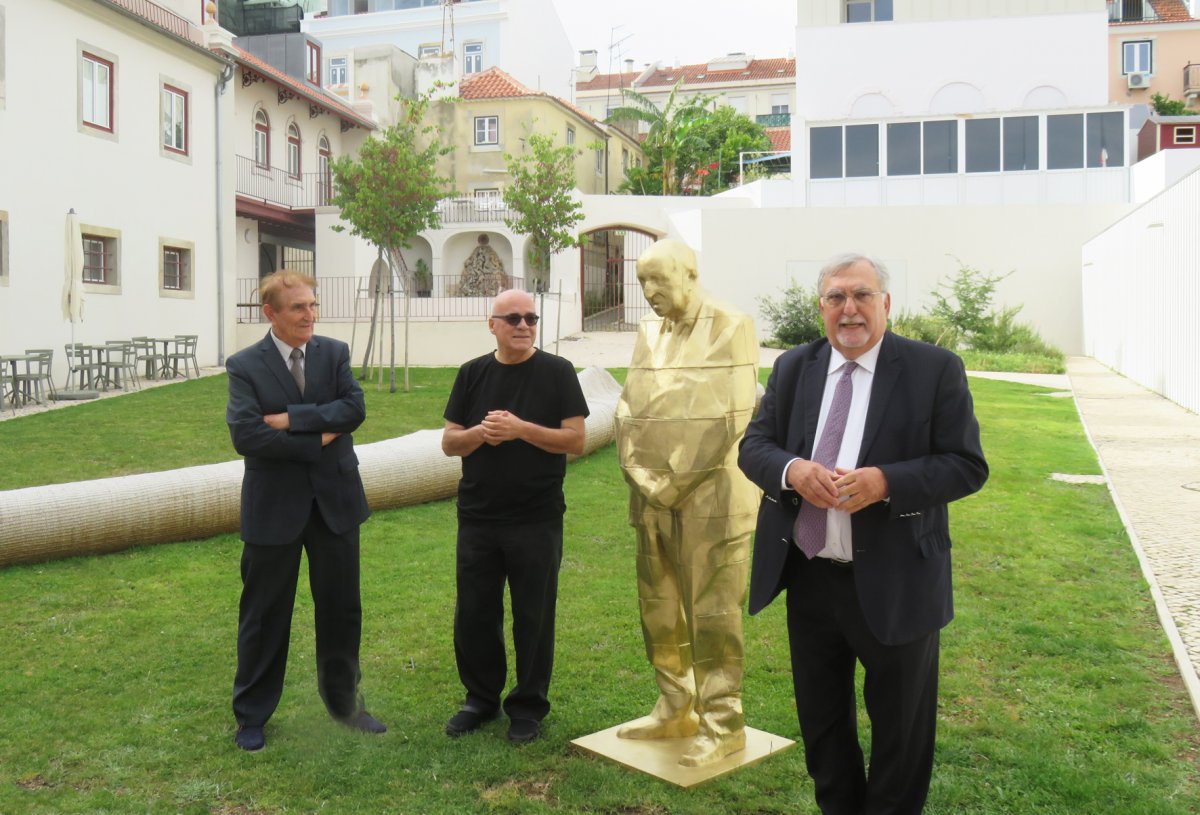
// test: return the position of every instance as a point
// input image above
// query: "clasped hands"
(500, 426)
(847, 490)
(280, 421)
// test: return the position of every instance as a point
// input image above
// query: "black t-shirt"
(514, 481)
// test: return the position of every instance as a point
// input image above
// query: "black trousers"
(527, 557)
(269, 576)
(828, 634)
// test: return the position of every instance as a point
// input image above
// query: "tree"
(670, 129)
(1164, 105)
(719, 138)
(390, 191)
(540, 195)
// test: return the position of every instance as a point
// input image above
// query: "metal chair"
(82, 366)
(37, 371)
(146, 353)
(121, 363)
(185, 352)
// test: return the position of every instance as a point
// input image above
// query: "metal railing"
(1131, 11)
(1191, 79)
(276, 186)
(774, 119)
(472, 210)
(344, 299)
(161, 17)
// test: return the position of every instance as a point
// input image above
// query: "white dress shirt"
(285, 351)
(837, 532)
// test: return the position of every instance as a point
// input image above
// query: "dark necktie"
(298, 369)
(811, 521)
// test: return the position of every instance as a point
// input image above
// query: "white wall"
(1141, 294)
(1155, 173)
(123, 183)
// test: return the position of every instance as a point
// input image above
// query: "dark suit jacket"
(286, 470)
(921, 431)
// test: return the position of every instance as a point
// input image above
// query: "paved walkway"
(1149, 450)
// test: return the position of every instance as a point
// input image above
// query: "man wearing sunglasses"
(862, 439)
(687, 400)
(513, 416)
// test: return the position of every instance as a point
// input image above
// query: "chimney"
(585, 71)
(587, 59)
(628, 66)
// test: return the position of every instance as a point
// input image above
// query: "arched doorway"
(612, 299)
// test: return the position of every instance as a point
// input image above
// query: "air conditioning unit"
(1141, 80)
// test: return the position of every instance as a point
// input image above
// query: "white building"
(119, 122)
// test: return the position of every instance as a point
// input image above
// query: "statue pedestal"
(660, 757)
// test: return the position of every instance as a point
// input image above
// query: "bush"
(926, 328)
(795, 318)
(1003, 334)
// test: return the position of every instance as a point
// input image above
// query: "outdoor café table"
(8, 367)
(97, 355)
(165, 372)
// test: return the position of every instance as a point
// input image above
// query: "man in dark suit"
(293, 404)
(855, 527)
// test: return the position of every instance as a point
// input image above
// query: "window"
(939, 145)
(825, 152)
(868, 11)
(983, 145)
(1137, 56)
(780, 103)
(487, 129)
(175, 119)
(599, 161)
(293, 150)
(488, 198)
(314, 62)
(1184, 134)
(1020, 143)
(2, 53)
(95, 89)
(324, 157)
(624, 160)
(262, 138)
(3, 248)
(738, 103)
(862, 151)
(176, 268)
(337, 71)
(1106, 139)
(570, 135)
(99, 259)
(429, 51)
(904, 148)
(472, 57)
(1064, 141)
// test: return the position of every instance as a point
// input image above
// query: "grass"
(1024, 363)
(1058, 696)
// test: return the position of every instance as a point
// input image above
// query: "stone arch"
(957, 97)
(611, 298)
(872, 106)
(1044, 97)
(460, 249)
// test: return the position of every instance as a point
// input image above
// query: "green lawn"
(1059, 695)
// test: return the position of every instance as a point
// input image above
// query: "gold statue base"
(660, 757)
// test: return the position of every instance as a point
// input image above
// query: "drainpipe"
(218, 91)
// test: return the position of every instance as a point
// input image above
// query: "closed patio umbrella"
(72, 294)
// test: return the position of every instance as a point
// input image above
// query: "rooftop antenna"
(614, 46)
(448, 14)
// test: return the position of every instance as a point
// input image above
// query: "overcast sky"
(687, 31)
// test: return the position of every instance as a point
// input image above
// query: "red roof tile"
(327, 102)
(1164, 11)
(758, 70)
(781, 138)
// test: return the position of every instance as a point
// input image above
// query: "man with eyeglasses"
(861, 441)
(513, 416)
(688, 397)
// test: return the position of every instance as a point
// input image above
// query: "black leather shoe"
(250, 739)
(523, 731)
(365, 722)
(467, 721)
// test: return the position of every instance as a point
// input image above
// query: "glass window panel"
(825, 152)
(858, 12)
(1105, 140)
(862, 151)
(883, 9)
(904, 148)
(1020, 143)
(940, 143)
(983, 145)
(1064, 141)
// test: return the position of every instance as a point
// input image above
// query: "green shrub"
(926, 328)
(1003, 334)
(794, 318)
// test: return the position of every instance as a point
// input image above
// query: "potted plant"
(422, 279)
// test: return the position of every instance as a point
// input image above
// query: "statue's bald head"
(667, 272)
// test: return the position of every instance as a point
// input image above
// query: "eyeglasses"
(514, 320)
(837, 299)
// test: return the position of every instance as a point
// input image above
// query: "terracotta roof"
(168, 21)
(320, 100)
(497, 84)
(759, 70)
(781, 138)
(1164, 11)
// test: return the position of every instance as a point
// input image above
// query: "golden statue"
(688, 398)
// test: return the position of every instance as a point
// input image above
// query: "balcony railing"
(1131, 11)
(276, 186)
(1191, 79)
(774, 119)
(344, 299)
(472, 211)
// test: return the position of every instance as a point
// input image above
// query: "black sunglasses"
(514, 320)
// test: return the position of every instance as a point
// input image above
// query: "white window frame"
(262, 139)
(472, 57)
(429, 50)
(90, 94)
(294, 142)
(870, 5)
(600, 160)
(488, 198)
(313, 54)
(325, 170)
(1135, 65)
(570, 135)
(3, 248)
(487, 127)
(339, 71)
(1180, 130)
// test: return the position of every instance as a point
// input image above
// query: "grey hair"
(841, 262)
